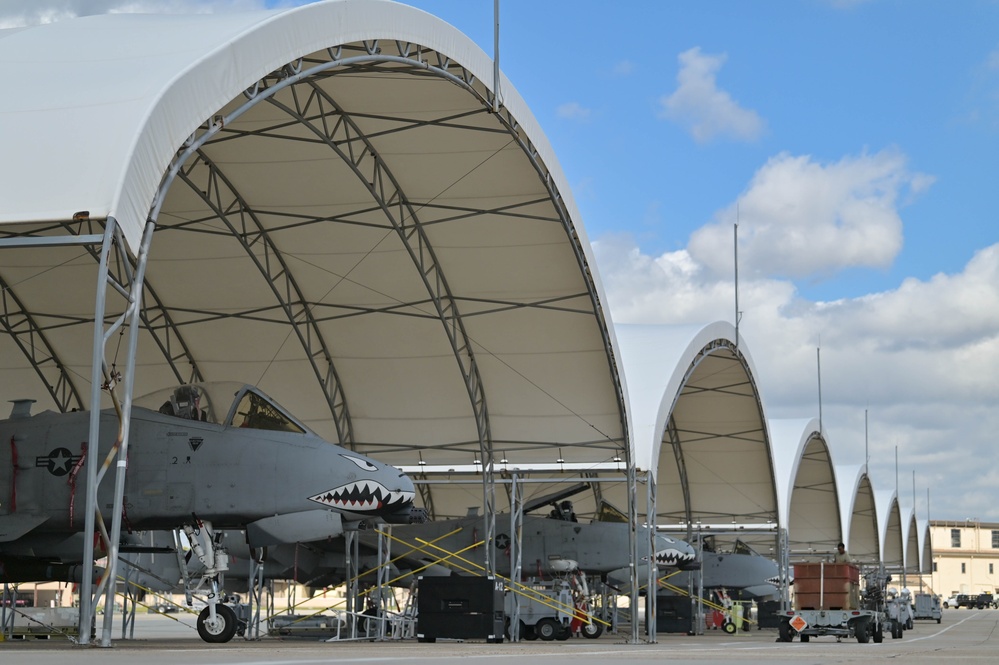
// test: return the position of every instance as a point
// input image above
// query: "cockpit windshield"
(256, 412)
(743, 548)
(210, 403)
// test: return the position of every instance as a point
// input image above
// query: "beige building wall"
(965, 557)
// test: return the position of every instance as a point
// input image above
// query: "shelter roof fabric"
(351, 227)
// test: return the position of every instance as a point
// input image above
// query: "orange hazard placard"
(798, 623)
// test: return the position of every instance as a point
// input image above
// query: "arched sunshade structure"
(910, 540)
(889, 527)
(329, 202)
(341, 218)
(806, 483)
(859, 513)
(925, 546)
(698, 424)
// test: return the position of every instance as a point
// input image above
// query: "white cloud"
(801, 218)
(21, 13)
(624, 68)
(573, 111)
(921, 358)
(702, 107)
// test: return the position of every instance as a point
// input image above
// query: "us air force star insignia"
(502, 541)
(59, 462)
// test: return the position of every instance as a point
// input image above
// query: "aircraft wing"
(13, 527)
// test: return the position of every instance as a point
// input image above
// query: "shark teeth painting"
(362, 496)
(672, 557)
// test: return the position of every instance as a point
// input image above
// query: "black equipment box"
(674, 614)
(767, 614)
(460, 608)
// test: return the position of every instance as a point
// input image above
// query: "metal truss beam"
(681, 466)
(29, 337)
(156, 318)
(230, 207)
(319, 112)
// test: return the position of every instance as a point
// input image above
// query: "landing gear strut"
(217, 623)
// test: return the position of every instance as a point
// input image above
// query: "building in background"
(965, 557)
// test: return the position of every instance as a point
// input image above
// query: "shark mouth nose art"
(363, 496)
(671, 557)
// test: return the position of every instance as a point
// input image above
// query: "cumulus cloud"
(801, 218)
(921, 358)
(573, 111)
(704, 109)
(21, 13)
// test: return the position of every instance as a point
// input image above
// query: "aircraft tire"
(224, 628)
(592, 630)
(547, 629)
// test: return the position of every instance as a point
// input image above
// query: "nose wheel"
(221, 628)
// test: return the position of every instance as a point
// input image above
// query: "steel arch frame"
(275, 270)
(411, 57)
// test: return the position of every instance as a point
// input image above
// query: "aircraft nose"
(381, 490)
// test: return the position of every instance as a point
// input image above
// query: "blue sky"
(858, 142)
(828, 80)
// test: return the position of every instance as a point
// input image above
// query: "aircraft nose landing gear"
(219, 629)
(217, 623)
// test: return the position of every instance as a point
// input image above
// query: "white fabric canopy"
(359, 234)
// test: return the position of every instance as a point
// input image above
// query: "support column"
(87, 605)
(516, 551)
(633, 545)
(351, 552)
(132, 316)
(653, 577)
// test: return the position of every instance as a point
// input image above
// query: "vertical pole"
(383, 589)
(818, 364)
(735, 245)
(350, 551)
(633, 545)
(516, 552)
(87, 606)
(134, 309)
(652, 586)
(867, 454)
(496, 56)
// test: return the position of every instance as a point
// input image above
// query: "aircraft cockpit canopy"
(239, 405)
(255, 411)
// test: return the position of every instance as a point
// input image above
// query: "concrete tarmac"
(963, 635)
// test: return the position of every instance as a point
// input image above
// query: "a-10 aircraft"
(550, 547)
(743, 572)
(203, 458)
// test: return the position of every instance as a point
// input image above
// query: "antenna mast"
(867, 454)
(496, 69)
(735, 244)
(818, 363)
